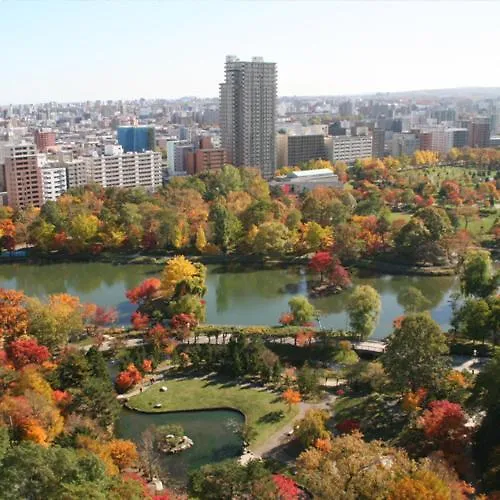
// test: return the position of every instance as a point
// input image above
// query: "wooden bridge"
(374, 347)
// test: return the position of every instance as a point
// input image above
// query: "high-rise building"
(378, 143)
(345, 108)
(294, 150)
(248, 113)
(136, 139)
(479, 133)
(44, 140)
(23, 177)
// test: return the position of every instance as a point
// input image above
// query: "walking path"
(283, 435)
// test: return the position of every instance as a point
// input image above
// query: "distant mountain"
(465, 92)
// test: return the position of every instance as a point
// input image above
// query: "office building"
(136, 139)
(294, 150)
(248, 114)
(405, 144)
(45, 140)
(23, 178)
(460, 137)
(54, 181)
(479, 133)
(181, 152)
(125, 170)
(348, 148)
(175, 159)
(204, 159)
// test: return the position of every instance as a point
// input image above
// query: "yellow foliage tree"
(201, 239)
(177, 269)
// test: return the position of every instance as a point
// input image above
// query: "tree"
(83, 229)
(139, 321)
(32, 471)
(413, 300)
(145, 292)
(13, 315)
(291, 397)
(97, 400)
(444, 425)
(25, 350)
(476, 276)
(302, 310)
(287, 487)
(436, 221)
(474, 319)
(148, 453)
(363, 308)
(123, 453)
(411, 238)
(413, 357)
(272, 238)
(127, 378)
(177, 270)
(321, 262)
(312, 427)
(422, 484)
(201, 239)
(227, 227)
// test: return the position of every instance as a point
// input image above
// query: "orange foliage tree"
(291, 397)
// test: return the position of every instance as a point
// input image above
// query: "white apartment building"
(173, 157)
(348, 148)
(126, 170)
(54, 181)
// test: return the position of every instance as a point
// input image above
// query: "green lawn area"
(260, 407)
(392, 216)
(480, 226)
(460, 174)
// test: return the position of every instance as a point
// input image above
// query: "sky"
(75, 50)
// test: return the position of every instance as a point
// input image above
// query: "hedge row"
(269, 331)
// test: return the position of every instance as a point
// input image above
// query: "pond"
(214, 432)
(233, 297)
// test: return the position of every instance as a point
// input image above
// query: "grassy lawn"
(392, 216)
(260, 407)
(480, 226)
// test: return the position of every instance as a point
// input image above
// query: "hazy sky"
(75, 50)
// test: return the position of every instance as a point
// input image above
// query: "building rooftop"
(304, 174)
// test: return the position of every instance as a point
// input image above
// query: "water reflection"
(256, 296)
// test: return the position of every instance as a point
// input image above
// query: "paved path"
(282, 436)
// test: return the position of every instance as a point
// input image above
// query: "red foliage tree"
(287, 488)
(139, 321)
(25, 351)
(61, 398)
(339, 276)
(321, 262)
(347, 426)
(144, 292)
(128, 378)
(157, 334)
(443, 424)
(182, 324)
(286, 318)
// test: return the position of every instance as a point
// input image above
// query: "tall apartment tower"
(23, 176)
(248, 114)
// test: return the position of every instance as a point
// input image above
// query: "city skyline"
(70, 52)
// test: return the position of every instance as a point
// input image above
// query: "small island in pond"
(170, 439)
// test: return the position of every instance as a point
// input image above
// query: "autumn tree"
(312, 427)
(413, 357)
(25, 350)
(363, 308)
(301, 310)
(291, 397)
(13, 314)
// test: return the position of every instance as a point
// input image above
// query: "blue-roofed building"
(136, 139)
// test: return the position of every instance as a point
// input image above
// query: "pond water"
(214, 433)
(233, 297)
